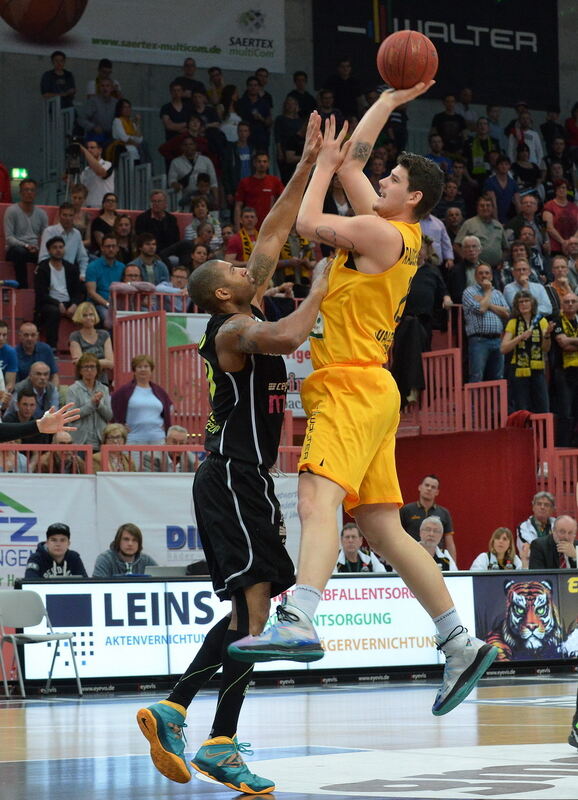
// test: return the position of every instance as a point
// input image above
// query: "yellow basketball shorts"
(353, 414)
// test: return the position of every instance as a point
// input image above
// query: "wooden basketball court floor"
(508, 740)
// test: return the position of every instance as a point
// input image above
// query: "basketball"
(406, 58)
(42, 20)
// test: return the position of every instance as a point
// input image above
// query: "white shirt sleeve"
(480, 562)
(376, 563)
(119, 133)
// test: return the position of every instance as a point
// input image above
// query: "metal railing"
(442, 399)
(188, 388)
(544, 448)
(132, 298)
(485, 405)
(57, 126)
(55, 459)
(138, 334)
(565, 480)
(151, 458)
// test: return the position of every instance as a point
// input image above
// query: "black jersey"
(248, 405)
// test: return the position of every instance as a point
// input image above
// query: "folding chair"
(25, 609)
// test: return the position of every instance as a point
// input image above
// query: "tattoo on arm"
(243, 328)
(248, 342)
(332, 238)
(262, 267)
(361, 151)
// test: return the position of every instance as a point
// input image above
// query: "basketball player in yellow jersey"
(352, 402)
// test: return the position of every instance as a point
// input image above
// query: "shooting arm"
(365, 234)
(359, 190)
(279, 221)
(242, 334)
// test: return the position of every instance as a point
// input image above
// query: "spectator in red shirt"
(240, 246)
(5, 190)
(561, 218)
(260, 191)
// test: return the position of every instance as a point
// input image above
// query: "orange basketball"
(406, 58)
(42, 20)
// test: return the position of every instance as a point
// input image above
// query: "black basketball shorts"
(240, 525)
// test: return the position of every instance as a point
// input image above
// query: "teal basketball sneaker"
(220, 759)
(467, 658)
(291, 638)
(162, 724)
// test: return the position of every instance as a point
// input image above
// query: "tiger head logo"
(532, 622)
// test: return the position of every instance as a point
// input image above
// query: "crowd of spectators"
(502, 241)
(542, 541)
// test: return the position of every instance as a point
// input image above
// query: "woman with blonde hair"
(115, 434)
(91, 396)
(501, 553)
(143, 405)
(124, 556)
(90, 339)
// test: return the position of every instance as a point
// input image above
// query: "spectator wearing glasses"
(522, 283)
(114, 434)
(92, 398)
(527, 338)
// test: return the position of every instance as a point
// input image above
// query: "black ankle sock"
(236, 677)
(205, 664)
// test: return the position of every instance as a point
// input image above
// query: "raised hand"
(54, 421)
(397, 97)
(320, 277)
(332, 153)
(313, 139)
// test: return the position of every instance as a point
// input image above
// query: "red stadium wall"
(486, 480)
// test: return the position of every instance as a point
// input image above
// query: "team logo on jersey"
(318, 328)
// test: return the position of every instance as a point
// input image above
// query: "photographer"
(184, 170)
(98, 175)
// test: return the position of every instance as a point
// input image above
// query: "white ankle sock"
(446, 623)
(306, 599)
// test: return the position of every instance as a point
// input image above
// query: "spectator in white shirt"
(74, 250)
(501, 553)
(97, 176)
(184, 170)
(126, 130)
(431, 532)
(523, 133)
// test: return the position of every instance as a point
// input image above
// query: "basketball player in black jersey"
(238, 515)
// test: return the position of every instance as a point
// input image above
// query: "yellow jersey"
(360, 312)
